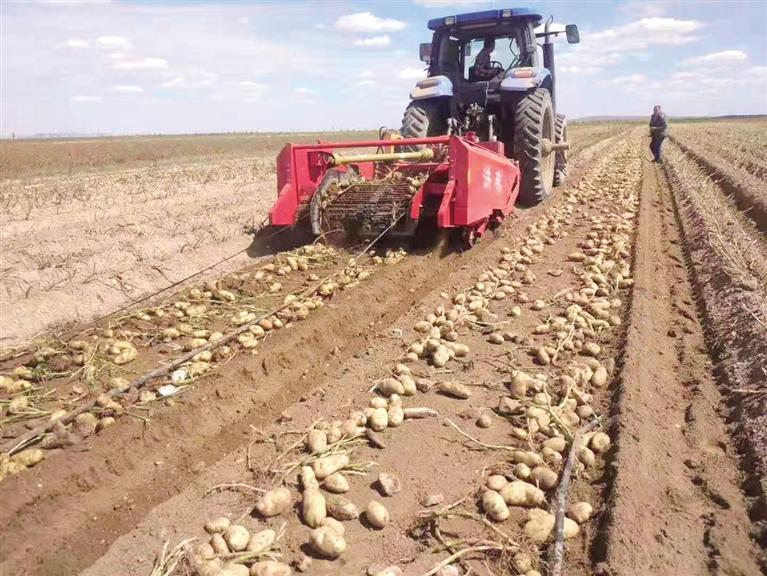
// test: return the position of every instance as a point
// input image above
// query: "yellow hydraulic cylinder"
(419, 155)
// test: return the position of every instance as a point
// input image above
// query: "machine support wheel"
(332, 176)
(422, 118)
(560, 164)
(533, 131)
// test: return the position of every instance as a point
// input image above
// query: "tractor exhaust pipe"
(548, 60)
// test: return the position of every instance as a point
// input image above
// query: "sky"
(128, 67)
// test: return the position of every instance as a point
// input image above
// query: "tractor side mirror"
(424, 52)
(571, 31)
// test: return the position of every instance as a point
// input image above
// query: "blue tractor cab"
(489, 75)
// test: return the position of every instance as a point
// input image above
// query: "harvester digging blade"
(365, 209)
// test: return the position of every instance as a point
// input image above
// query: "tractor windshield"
(480, 63)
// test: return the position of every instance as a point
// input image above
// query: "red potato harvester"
(455, 182)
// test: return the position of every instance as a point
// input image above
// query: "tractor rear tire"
(560, 164)
(533, 122)
(423, 118)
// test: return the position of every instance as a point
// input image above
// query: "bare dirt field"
(602, 356)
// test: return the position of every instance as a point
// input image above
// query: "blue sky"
(180, 67)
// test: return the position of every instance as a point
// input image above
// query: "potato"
(599, 378)
(313, 508)
(519, 493)
(377, 515)
(379, 419)
(522, 471)
(217, 525)
(520, 381)
(540, 526)
(389, 386)
(85, 424)
(396, 415)
(388, 484)
(205, 551)
(600, 442)
(586, 457)
(495, 338)
(494, 506)
(334, 525)
(29, 458)
(327, 465)
(233, 569)
(237, 538)
(274, 502)
(327, 543)
(270, 568)
(408, 384)
(336, 483)
(522, 562)
(496, 482)
(440, 356)
(485, 420)
(341, 508)
(551, 457)
(219, 544)
(334, 434)
(591, 349)
(378, 402)
(508, 405)
(411, 413)
(530, 458)
(262, 541)
(308, 479)
(350, 429)
(580, 512)
(316, 441)
(388, 571)
(558, 444)
(454, 389)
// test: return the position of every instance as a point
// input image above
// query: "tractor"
(480, 134)
(505, 92)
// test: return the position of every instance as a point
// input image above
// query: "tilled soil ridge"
(674, 504)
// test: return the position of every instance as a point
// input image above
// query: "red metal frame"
(477, 183)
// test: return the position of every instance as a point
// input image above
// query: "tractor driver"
(483, 69)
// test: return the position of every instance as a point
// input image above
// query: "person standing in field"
(657, 132)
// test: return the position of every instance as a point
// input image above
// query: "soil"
(667, 497)
(99, 242)
(675, 483)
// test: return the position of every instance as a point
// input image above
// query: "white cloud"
(373, 41)
(366, 74)
(127, 89)
(630, 79)
(610, 46)
(723, 58)
(580, 69)
(303, 91)
(83, 99)
(364, 83)
(114, 42)
(243, 19)
(412, 74)
(250, 85)
(173, 82)
(367, 22)
(642, 8)
(450, 3)
(194, 80)
(140, 64)
(75, 43)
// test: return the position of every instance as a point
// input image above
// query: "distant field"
(56, 157)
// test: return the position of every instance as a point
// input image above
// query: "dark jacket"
(658, 125)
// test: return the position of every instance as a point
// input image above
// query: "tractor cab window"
(480, 63)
